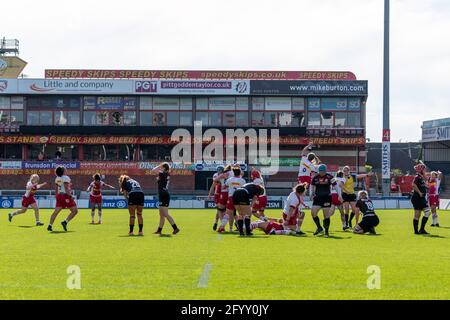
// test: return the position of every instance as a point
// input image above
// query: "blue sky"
(258, 35)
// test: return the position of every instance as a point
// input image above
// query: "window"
(313, 119)
(129, 118)
(146, 103)
(54, 102)
(271, 119)
(258, 103)
(155, 152)
(215, 119)
(10, 151)
(159, 118)
(241, 119)
(203, 117)
(68, 152)
(166, 103)
(173, 119)
(146, 118)
(242, 103)
(16, 117)
(5, 103)
(334, 104)
(340, 119)
(278, 103)
(17, 103)
(186, 119)
(103, 118)
(354, 119)
(327, 118)
(298, 119)
(33, 118)
(258, 119)
(222, 103)
(185, 103)
(298, 104)
(90, 118)
(45, 118)
(67, 118)
(314, 104)
(354, 104)
(229, 119)
(4, 116)
(202, 103)
(285, 119)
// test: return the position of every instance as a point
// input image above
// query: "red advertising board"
(386, 135)
(197, 74)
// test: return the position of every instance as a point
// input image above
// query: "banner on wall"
(271, 204)
(11, 67)
(122, 204)
(233, 87)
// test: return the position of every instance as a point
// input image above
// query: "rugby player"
(434, 182)
(232, 183)
(215, 186)
(132, 191)
(419, 200)
(336, 198)
(259, 206)
(321, 197)
(292, 215)
(241, 200)
(369, 218)
(95, 198)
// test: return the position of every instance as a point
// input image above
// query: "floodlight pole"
(386, 149)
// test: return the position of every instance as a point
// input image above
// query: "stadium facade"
(115, 126)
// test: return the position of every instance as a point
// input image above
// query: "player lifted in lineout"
(95, 198)
(29, 200)
(308, 166)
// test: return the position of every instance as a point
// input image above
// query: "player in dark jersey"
(321, 197)
(241, 200)
(132, 191)
(419, 199)
(164, 197)
(369, 218)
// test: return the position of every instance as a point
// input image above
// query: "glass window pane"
(203, 117)
(5, 103)
(215, 119)
(258, 103)
(159, 118)
(103, 118)
(45, 118)
(354, 104)
(202, 103)
(146, 118)
(17, 102)
(129, 118)
(285, 118)
(354, 119)
(314, 104)
(166, 103)
(61, 118)
(341, 119)
(73, 118)
(313, 119)
(298, 119)
(173, 118)
(16, 117)
(185, 103)
(33, 118)
(4, 117)
(278, 103)
(222, 103)
(258, 119)
(90, 118)
(241, 119)
(271, 119)
(298, 104)
(146, 103)
(186, 119)
(229, 119)
(242, 103)
(327, 118)
(334, 104)
(116, 118)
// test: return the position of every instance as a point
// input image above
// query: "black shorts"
(136, 199)
(369, 222)
(348, 197)
(419, 203)
(164, 199)
(241, 198)
(322, 201)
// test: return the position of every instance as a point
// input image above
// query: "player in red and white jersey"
(271, 228)
(216, 188)
(434, 183)
(308, 166)
(292, 215)
(337, 201)
(260, 205)
(64, 198)
(28, 199)
(232, 184)
(95, 198)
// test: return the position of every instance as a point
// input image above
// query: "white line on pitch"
(203, 281)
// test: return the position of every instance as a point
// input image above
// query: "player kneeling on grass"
(292, 216)
(95, 198)
(64, 198)
(28, 199)
(271, 228)
(132, 191)
(164, 197)
(369, 218)
(241, 200)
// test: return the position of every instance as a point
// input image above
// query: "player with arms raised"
(95, 198)
(64, 198)
(28, 199)
(308, 163)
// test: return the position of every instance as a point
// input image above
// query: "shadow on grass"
(25, 227)
(61, 232)
(433, 236)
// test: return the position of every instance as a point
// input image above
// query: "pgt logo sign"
(146, 86)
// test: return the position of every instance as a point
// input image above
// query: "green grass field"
(33, 263)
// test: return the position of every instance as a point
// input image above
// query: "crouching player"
(28, 199)
(369, 218)
(64, 198)
(95, 198)
(292, 216)
(260, 204)
(271, 228)
(241, 200)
